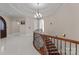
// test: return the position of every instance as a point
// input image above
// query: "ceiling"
(28, 9)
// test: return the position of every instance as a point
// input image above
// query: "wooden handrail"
(59, 38)
(55, 40)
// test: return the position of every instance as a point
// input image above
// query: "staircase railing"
(64, 46)
(39, 44)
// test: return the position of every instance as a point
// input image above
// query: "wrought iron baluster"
(54, 41)
(61, 47)
(70, 48)
(76, 49)
(57, 43)
(65, 47)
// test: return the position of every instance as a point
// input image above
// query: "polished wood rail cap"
(58, 38)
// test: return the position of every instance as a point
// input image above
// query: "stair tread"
(50, 50)
(49, 44)
(48, 41)
(54, 52)
(50, 47)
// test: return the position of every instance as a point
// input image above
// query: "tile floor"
(17, 44)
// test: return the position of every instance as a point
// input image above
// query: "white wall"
(14, 27)
(28, 27)
(66, 21)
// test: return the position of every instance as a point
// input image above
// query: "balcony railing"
(64, 46)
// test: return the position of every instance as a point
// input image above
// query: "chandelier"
(38, 15)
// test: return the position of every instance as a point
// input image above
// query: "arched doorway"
(3, 32)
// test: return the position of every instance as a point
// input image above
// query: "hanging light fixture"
(38, 15)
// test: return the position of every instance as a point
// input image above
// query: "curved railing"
(64, 46)
(38, 43)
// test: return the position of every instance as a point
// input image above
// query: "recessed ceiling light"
(38, 5)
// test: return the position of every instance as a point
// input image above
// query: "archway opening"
(3, 31)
